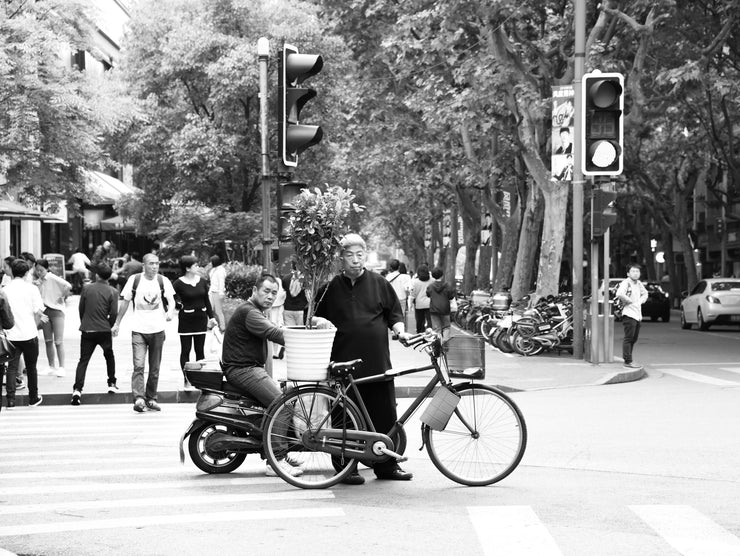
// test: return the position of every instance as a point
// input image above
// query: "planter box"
(308, 353)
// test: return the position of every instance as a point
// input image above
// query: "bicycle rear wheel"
(299, 410)
(484, 440)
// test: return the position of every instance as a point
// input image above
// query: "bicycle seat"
(342, 368)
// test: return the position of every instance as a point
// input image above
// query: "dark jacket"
(6, 315)
(440, 293)
(246, 336)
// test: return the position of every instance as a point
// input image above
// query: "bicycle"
(474, 434)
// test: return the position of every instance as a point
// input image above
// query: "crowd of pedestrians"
(35, 299)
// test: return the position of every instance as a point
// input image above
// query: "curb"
(184, 396)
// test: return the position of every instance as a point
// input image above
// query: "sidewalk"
(511, 373)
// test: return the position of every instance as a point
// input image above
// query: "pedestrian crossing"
(725, 376)
(57, 490)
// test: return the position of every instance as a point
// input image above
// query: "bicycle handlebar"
(416, 339)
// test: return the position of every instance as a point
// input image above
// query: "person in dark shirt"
(363, 306)
(196, 315)
(98, 311)
(245, 349)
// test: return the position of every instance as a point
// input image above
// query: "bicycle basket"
(466, 356)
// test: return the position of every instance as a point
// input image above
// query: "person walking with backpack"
(153, 298)
(440, 293)
(632, 294)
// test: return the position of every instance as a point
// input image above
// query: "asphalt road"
(644, 468)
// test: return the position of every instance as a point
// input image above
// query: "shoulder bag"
(7, 349)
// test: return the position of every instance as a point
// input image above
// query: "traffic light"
(603, 211)
(294, 138)
(602, 124)
(287, 192)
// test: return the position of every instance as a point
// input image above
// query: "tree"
(53, 116)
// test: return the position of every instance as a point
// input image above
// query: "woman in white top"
(420, 299)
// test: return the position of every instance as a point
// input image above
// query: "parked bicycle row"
(521, 326)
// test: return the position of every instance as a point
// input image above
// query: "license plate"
(543, 327)
(735, 318)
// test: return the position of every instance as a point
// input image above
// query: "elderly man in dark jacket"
(363, 306)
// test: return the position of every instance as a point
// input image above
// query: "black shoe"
(36, 402)
(76, 397)
(395, 475)
(11, 404)
(354, 479)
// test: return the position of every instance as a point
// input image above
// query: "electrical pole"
(263, 52)
(577, 248)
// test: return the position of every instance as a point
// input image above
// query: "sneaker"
(76, 397)
(632, 365)
(60, 372)
(189, 387)
(11, 404)
(48, 371)
(153, 405)
(286, 467)
(292, 460)
(112, 388)
(139, 405)
(19, 384)
(37, 402)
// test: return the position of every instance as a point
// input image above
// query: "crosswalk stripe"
(163, 501)
(60, 435)
(698, 377)
(41, 454)
(91, 473)
(199, 481)
(730, 369)
(511, 530)
(688, 531)
(89, 443)
(154, 520)
(53, 462)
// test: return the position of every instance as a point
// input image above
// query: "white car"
(712, 301)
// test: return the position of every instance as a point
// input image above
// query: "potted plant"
(317, 224)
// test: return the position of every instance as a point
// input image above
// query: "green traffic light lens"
(602, 154)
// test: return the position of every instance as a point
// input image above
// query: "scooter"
(227, 426)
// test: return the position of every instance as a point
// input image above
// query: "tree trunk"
(553, 239)
(528, 242)
(509, 249)
(483, 281)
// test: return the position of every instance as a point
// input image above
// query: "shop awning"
(117, 224)
(108, 188)
(11, 209)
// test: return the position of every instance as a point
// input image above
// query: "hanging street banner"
(563, 110)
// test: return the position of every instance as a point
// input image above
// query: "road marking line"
(53, 462)
(697, 377)
(197, 481)
(153, 520)
(92, 473)
(95, 453)
(163, 501)
(11, 437)
(704, 364)
(511, 530)
(730, 369)
(688, 531)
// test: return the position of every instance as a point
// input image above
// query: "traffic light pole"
(577, 247)
(263, 52)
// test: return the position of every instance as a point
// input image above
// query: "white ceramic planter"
(308, 352)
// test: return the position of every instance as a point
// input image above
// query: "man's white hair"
(350, 240)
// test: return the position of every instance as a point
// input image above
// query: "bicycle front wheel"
(312, 409)
(484, 440)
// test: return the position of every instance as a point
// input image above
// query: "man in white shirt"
(79, 262)
(27, 306)
(632, 294)
(148, 291)
(401, 283)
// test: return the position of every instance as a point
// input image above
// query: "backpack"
(137, 279)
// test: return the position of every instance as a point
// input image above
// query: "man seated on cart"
(245, 350)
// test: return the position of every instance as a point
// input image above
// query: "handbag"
(453, 305)
(7, 349)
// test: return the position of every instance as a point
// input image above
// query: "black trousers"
(29, 349)
(380, 401)
(88, 342)
(631, 333)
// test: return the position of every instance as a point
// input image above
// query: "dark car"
(658, 304)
